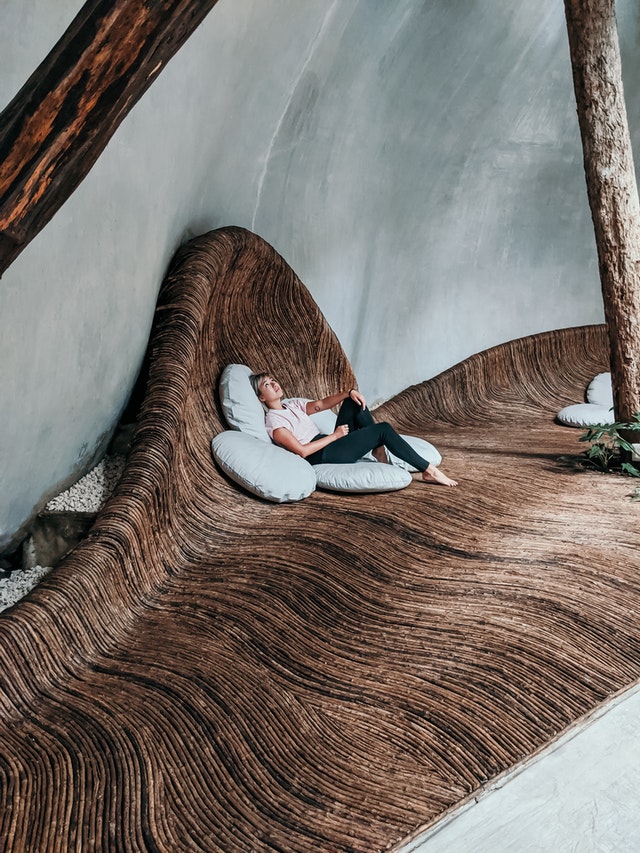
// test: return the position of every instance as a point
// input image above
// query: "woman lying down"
(288, 424)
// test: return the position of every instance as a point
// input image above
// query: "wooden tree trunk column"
(58, 124)
(611, 186)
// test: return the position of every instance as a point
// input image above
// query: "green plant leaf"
(630, 469)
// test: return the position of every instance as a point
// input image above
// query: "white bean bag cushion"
(262, 468)
(241, 407)
(585, 415)
(600, 390)
(361, 477)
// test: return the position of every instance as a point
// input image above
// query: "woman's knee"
(363, 417)
(348, 409)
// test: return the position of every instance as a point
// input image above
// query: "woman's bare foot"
(435, 475)
(380, 454)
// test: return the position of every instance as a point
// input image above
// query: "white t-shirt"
(293, 417)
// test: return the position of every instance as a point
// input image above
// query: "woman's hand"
(341, 431)
(315, 406)
(357, 397)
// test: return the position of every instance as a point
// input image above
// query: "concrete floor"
(582, 795)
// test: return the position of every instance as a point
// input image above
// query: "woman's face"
(270, 390)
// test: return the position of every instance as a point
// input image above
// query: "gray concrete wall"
(418, 164)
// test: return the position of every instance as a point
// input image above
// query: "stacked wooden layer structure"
(207, 671)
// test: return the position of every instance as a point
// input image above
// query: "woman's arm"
(285, 438)
(314, 406)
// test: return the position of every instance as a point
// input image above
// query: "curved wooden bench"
(207, 671)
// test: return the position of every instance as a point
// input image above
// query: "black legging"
(364, 435)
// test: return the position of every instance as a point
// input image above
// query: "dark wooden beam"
(58, 124)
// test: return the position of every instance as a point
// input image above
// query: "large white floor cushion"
(262, 468)
(600, 390)
(597, 410)
(361, 477)
(585, 415)
(241, 407)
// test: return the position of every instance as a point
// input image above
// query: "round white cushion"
(600, 390)
(262, 468)
(585, 414)
(241, 407)
(361, 477)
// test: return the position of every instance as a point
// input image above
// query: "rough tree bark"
(58, 124)
(611, 186)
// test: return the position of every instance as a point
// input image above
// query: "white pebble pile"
(91, 492)
(19, 583)
(87, 495)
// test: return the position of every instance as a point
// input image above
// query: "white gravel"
(19, 583)
(87, 495)
(91, 492)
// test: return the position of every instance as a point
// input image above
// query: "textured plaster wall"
(417, 162)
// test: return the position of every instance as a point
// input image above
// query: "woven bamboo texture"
(209, 672)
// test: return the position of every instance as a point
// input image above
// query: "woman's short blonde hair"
(255, 379)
